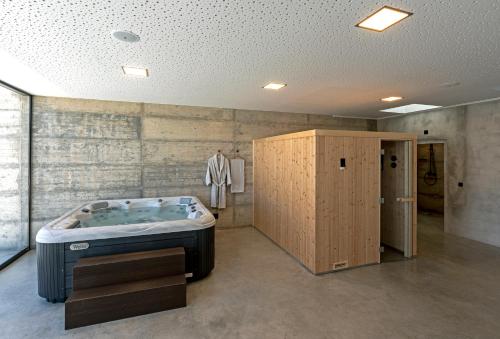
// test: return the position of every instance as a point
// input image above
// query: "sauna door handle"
(403, 199)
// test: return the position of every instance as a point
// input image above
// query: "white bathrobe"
(218, 175)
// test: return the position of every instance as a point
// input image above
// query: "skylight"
(409, 108)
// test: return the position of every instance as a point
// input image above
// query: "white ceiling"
(221, 52)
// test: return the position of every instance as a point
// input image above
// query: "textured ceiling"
(221, 52)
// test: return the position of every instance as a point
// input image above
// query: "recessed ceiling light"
(391, 99)
(409, 108)
(274, 85)
(383, 19)
(135, 71)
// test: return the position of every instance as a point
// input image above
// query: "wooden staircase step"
(112, 302)
(121, 268)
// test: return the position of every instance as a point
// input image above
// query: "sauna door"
(397, 196)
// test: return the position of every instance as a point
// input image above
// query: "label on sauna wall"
(79, 246)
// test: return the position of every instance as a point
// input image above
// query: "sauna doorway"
(431, 184)
(397, 200)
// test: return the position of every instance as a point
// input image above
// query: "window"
(15, 114)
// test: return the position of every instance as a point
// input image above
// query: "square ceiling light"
(135, 71)
(274, 86)
(409, 108)
(383, 19)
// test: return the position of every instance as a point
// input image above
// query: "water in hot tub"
(123, 216)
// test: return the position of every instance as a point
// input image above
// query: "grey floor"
(452, 290)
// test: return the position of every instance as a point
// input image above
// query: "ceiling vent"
(126, 36)
(450, 84)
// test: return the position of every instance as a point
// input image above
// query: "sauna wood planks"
(326, 217)
(347, 218)
(284, 196)
(366, 194)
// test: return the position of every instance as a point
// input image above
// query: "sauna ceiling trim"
(219, 53)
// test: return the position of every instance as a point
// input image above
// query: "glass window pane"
(14, 173)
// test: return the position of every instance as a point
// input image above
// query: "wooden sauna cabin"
(336, 199)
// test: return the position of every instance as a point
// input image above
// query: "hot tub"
(121, 226)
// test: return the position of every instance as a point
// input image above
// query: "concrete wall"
(86, 149)
(14, 129)
(472, 134)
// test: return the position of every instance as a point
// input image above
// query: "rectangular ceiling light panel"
(390, 99)
(383, 19)
(135, 71)
(274, 85)
(409, 108)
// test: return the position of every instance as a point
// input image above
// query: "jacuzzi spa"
(121, 226)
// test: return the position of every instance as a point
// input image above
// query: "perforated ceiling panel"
(221, 52)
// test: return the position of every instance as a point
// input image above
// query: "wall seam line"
(140, 133)
(234, 151)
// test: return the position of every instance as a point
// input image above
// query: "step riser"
(114, 273)
(108, 308)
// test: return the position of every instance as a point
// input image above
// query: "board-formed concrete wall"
(473, 158)
(87, 149)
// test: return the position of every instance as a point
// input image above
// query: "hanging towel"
(237, 175)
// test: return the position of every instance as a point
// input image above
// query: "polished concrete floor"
(452, 290)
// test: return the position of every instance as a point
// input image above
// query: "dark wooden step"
(127, 267)
(112, 302)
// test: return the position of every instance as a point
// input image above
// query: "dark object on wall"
(145, 282)
(342, 163)
(430, 177)
(55, 261)
(426, 131)
(460, 184)
(394, 160)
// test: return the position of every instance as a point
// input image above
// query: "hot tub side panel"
(56, 261)
(50, 269)
(205, 262)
